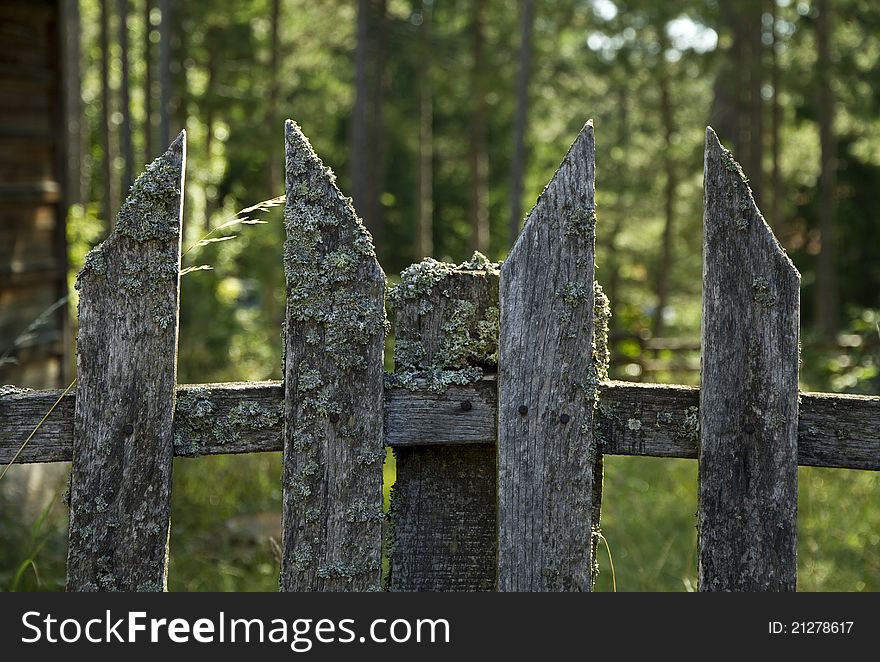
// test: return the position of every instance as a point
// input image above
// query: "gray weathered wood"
(459, 415)
(443, 518)
(649, 420)
(120, 494)
(549, 476)
(748, 397)
(443, 509)
(334, 342)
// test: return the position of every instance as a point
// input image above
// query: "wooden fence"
(499, 410)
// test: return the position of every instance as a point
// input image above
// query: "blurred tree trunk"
(755, 165)
(518, 161)
(366, 134)
(737, 107)
(164, 75)
(108, 200)
(125, 99)
(379, 31)
(148, 83)
(425, 205)
(73, 115)
(478, 156)
(272, 120)
(211, 38)
(775, 122)
(826, 281)
(664, 264)
(611, 277)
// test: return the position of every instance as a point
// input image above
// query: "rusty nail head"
(523, 410)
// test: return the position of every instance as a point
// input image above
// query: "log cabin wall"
(33, 262)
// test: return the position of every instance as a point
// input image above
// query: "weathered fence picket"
(749, 391)
(443, 526)
(549, 468)
(333, 371)
(499, 476)
(120, 488)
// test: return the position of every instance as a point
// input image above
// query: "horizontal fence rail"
(652, 420)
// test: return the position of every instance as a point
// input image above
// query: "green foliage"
(591, 58)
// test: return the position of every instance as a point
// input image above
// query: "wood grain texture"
(443, 518)
(547, 456)
(459, 415)
(333, 374)
(443, 507)
(120, 493)
(648, 420)
(747, 517)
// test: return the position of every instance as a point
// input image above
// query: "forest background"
(443, 119)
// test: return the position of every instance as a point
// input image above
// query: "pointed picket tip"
(313, 199)
(747, 514)
(153, 207)
(723, 169)
(547, 379)
(577, 167)
(333, 370)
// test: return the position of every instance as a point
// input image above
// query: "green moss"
(94, 262)
(196, 423)
(151, 212)
(663, 418)
(601, 314)
(732, 166)
(325, 289)
(417, 281)
(346, 571)
(9, 389)
(309, 379)
(761, 292)
(581, 222)
(690, 427)
(435, 380)
(462, 347)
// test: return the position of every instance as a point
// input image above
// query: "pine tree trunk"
(73, 112)
(518, 161)
(165, 74)
(148, 83)
(125, 100)
(775, 123)
(425, 240)
(359, 120)
(108, 201)
(664, 264)
(273, 122)
(478, 157)
(826, 285)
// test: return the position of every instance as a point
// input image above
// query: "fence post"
(549, 469)
(333, 372)
(444, 500)
(126, 366)
(749, 391)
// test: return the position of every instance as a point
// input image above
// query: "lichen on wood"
(334, 338)
(442, 534)
(748, 415)
(551, 361)
(126, 366)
